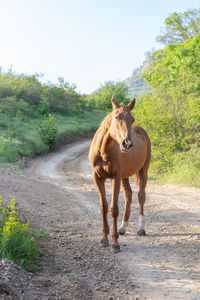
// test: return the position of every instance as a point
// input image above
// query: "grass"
(18, 243)
(20, 137)
(182, 175)
(77, 125)
(183, 169)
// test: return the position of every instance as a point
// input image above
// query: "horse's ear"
(115, 105)
(132, 103)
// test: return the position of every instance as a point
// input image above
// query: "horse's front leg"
(115, 212)
(100, 183)
(128, 199)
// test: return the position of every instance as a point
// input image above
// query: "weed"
(18, 243)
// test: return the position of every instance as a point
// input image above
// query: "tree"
(171, 112)
(180, 26)
(102, 97)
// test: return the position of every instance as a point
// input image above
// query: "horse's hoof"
(122, 231)
(115, 248)
(104, 243)
(141, 232)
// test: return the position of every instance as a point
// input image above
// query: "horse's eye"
(117, 118)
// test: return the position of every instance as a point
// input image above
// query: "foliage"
(30, 112)
(170, 113)
(8, 149)
(26, 92)
(63, 98)
(20, 137)
(186, 168)
(17, 242)
(102, 97)
(174, 76)
(73, 126)
(47, 130)
(44, 108)
(180, 26)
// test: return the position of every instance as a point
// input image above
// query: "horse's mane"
(105, 124)
(102, 130)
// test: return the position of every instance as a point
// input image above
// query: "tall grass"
(185, 169)
(80, 125)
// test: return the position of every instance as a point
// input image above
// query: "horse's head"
(122, 121)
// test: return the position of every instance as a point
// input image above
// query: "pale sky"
(87, 42)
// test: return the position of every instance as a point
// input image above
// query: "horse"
(120, 149)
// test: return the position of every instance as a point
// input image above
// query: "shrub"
(102, 97)
(44, 107)
(17, 242)
(8, 149)
(47, 130)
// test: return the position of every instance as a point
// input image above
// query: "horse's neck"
(104, 141)
(107, 146)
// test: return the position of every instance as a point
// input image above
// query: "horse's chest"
(105, 169)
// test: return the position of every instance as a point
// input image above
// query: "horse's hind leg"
(141, 198)
(127, 209)
(100, 183)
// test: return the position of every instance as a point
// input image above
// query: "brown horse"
(120, 149)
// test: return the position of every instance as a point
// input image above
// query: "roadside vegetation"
(18, 243)
(34, 117)
(171, 112)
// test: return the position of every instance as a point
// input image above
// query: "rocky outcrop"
(136, 83)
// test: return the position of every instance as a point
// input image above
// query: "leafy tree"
(180, 26)
(171, 112)
(62, 98)
(17, 90)
(102, 97)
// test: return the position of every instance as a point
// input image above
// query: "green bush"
(8, 149)
(47, 130)
(102, 97)
(44, 107)
(17, 242)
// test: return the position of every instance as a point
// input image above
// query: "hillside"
(136, 84)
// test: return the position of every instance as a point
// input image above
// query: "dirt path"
(57, 194)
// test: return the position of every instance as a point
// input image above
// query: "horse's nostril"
(124, 143)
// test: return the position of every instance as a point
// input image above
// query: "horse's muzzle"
(127, 145)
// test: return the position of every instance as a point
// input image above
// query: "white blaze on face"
(141, 222)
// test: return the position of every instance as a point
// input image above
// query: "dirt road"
(56, 193)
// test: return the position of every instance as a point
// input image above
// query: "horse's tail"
(137, 179)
